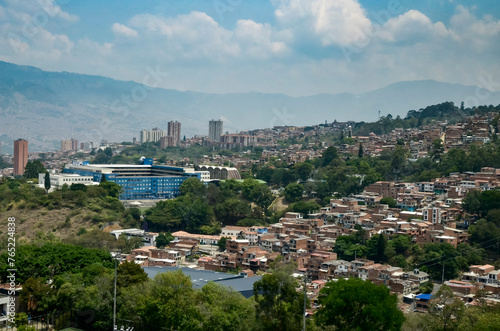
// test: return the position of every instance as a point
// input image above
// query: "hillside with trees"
(65, 213)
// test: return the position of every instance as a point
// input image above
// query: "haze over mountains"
(45, 107)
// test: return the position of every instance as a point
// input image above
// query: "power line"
(451, 258)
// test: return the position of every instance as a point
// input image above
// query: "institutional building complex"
(139, 182)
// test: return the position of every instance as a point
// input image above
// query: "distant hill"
(45, 107)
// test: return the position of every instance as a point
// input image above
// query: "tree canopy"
(355, 304)
(279, 305)
(33, 168)
(293, 192)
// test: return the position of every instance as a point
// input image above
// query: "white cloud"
(412, 26)
(257, 39)
(53, 10)
(192, 36)
(30, 42)
(197, 36)
(340, 22)
(470, 31)
(301, 54)
(41, 11)
(123, 30)
(86, 46)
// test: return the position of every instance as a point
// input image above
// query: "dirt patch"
(279, 204)
(112, 227)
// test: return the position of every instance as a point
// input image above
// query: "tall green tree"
(451, 309)
(3, 163)
(112, 189)
(193, 186)
(480, 203)
(193, 212)
(305, 207)
(51, 259)
(261, 195)
(471, 202)
(279, 305)
(130, 273)
(164, 239)
(163, 216)
(388, 201)
(222, 243)
(102, 157)
(224, 309)
(486, 234)
(398, 159)
(33, 168)
(381, 247)
(443, 254)
(293, 192)
(329, 155)
(303, 170)
(47, 181)
(36, 295)
(355, 304)
(169, 302)
(231, 210)
(436, 150)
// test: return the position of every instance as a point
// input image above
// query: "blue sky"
(295, 47)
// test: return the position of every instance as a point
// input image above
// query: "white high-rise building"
(152, 135)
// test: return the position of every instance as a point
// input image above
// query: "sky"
(294, 47)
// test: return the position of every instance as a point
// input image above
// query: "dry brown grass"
(280, 204)
(29, 222)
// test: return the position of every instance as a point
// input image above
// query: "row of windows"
(77, 179)
(147, 196)
(139, 187)
(147, 179)
(135, 190)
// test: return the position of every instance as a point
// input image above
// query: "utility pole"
(396, 172)
(305, 297)
(443, 276)
(114, 296)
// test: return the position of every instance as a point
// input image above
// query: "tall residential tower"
(174, 131)
(20, 156)
(214, 130)
(152, 135)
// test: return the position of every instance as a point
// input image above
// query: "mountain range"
(45, 107)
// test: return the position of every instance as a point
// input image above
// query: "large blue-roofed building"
(200, 278)
(139, 182)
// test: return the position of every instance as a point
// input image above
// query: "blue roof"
(425, 296)
(200, 278)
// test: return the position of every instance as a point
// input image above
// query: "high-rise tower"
(174, 131)
(20, 156)
(215, 130)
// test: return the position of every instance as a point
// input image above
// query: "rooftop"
(200, 278)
